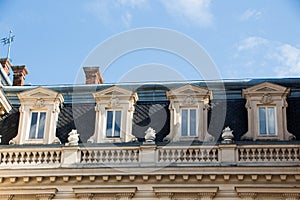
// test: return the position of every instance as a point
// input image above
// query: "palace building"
(181, 140)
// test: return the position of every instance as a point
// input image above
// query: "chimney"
(93, 75)
(6, 65)
(19, 75)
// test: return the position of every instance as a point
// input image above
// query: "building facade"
(236, 139)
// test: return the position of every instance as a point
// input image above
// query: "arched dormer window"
(266, 106)
(39, 111)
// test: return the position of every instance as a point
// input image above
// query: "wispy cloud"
(251, 14)
(196, 11)
(263, 57)
(289, 60)
(114, 12)
(251, 42)
(132, 3)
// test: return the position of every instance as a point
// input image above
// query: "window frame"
(267, 134)
(188, 134)
(36, 138)
(113, 135)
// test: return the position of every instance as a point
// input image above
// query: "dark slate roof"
(9, 125)
(228, 109)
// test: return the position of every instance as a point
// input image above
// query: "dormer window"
(188, 113)
(39, 111)
(113, 123)
(266, 106)
(114, 113)
(37, 125)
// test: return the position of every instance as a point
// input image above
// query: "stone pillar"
(19, 75)
(228, 154)
(93, 75)
(148, 155)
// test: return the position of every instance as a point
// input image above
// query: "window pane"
(117, 124)
(262, 121)
(193, 122)
(109, 123)
(33, 125)
(271, 121)
(184, 122)
(41, 125)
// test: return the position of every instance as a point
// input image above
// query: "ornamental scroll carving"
(39, 103)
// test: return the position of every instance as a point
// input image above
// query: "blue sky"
(244, 39)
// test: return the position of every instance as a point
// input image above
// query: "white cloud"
(251, 14)
(114, 12)
(261, 57)
(126, 19)
(289, 60)
(132, 3)
(251, 42)
(195, 11)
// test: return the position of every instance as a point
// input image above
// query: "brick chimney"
(93, 75)
(6, 65)
(19, 75)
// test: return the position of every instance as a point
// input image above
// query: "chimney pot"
(19, 75)
(93, 75)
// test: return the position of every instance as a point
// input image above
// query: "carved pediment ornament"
(266, 99)
(39, 103)
(189, 100)
(115, 101)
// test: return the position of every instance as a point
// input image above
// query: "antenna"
(8, 40)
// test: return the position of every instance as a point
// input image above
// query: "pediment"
(189, 90)
(266, 87)
(114, 91)
(39, 92)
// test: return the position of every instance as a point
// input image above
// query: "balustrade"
(284, 153)
(64, 156)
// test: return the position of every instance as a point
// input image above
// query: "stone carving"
(266, 99)
(189, 100)
(227, 135)
(56, 141)
(73, 138)
(150, 135)
(39, 103)
(115, 101)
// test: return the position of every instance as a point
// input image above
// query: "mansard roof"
(78, 109)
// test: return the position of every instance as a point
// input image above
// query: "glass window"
(113, 123)
(37, 125)
(188, 122)
(267, 123)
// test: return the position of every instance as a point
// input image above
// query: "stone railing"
(109, 156)
(269, 153)
(201, 154)
(20, 157)
(149, 155)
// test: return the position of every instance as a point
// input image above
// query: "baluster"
(248, 155)
(10, 158)
(51, 158)
(277, 154)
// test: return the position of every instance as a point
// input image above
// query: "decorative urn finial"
(150, 135)
(227, 135)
